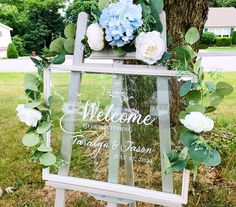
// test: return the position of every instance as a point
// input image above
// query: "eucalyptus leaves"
(36, 115)
(202, 98)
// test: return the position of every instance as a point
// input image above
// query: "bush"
(234, 37)
(223, 41)
(11, 51)
(208, 38)
(202, 46)
(19, 43)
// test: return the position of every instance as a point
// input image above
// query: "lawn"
(214, 187)
(221, 49)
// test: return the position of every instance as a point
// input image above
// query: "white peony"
(150, 47)
(95, 36)
(29, 116)
(197, 122)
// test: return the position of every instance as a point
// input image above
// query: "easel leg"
(164, 129)
(128, 159)
(67, 139)
(115, 135)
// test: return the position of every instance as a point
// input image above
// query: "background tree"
(223, 3)
(36, 22)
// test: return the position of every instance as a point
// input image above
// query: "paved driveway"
(211, 62)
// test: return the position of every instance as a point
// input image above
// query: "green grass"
(216, 188)
(222, 49)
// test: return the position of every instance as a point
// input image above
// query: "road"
(221, 62)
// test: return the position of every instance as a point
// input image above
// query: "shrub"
(208, 38)
(11, 51)
(202, 46)
(223, 41)
(234, 37)
(19, 43)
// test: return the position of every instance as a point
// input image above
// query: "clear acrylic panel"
(115, 124)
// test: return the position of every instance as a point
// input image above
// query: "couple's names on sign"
(98, 145)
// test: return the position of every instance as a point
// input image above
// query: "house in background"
(221, 21)
(5, 39)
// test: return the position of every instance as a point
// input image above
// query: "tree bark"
(181, 15)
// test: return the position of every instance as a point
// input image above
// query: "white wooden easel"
(118, 69)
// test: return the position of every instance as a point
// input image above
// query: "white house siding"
(220, 31)
(5, 39)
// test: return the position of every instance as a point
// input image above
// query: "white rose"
(150, 47)
(29, 116)
(95, 36)
(197, 122)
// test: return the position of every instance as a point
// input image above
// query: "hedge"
(11, 51)
(234, 37)
(223, 41)
(208, 38)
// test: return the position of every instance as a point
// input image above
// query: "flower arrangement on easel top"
(126, 26)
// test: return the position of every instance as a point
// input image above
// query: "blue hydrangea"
(120, 20)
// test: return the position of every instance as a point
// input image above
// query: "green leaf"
(192, 167)
(190, 51)
(146, 10)
(214, 159)
(178, 166)
(50, 100)
(32, 105)
(157, 25)
(196, 107)
(215, 99)
(210, 86)
(198, 153)
(44, 148)
(42, 107)
(182, 114)
(48, 159)
(192, 36)
(224, 89)
(102, 4)
(35, 61)
(30, 140)
(30, 82)
(183, 154)
(210, 109)
(194, 95)
(57, 45)
(182, 54)
(119, 51)
(70, 31)
(43, 127)
(156, 7)
(69, 45)
(188, 138)
(172, 156)
(59, 59)
(167, 163)
(197, 65)
(166, 56)
(33, 95)
(185, 88)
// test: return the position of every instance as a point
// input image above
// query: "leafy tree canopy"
(37, 22)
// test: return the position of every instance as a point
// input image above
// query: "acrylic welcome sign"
(111, 135)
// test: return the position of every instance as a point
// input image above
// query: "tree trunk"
(181, 15)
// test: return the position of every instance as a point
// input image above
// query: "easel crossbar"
(115, 190)
(123, 70)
